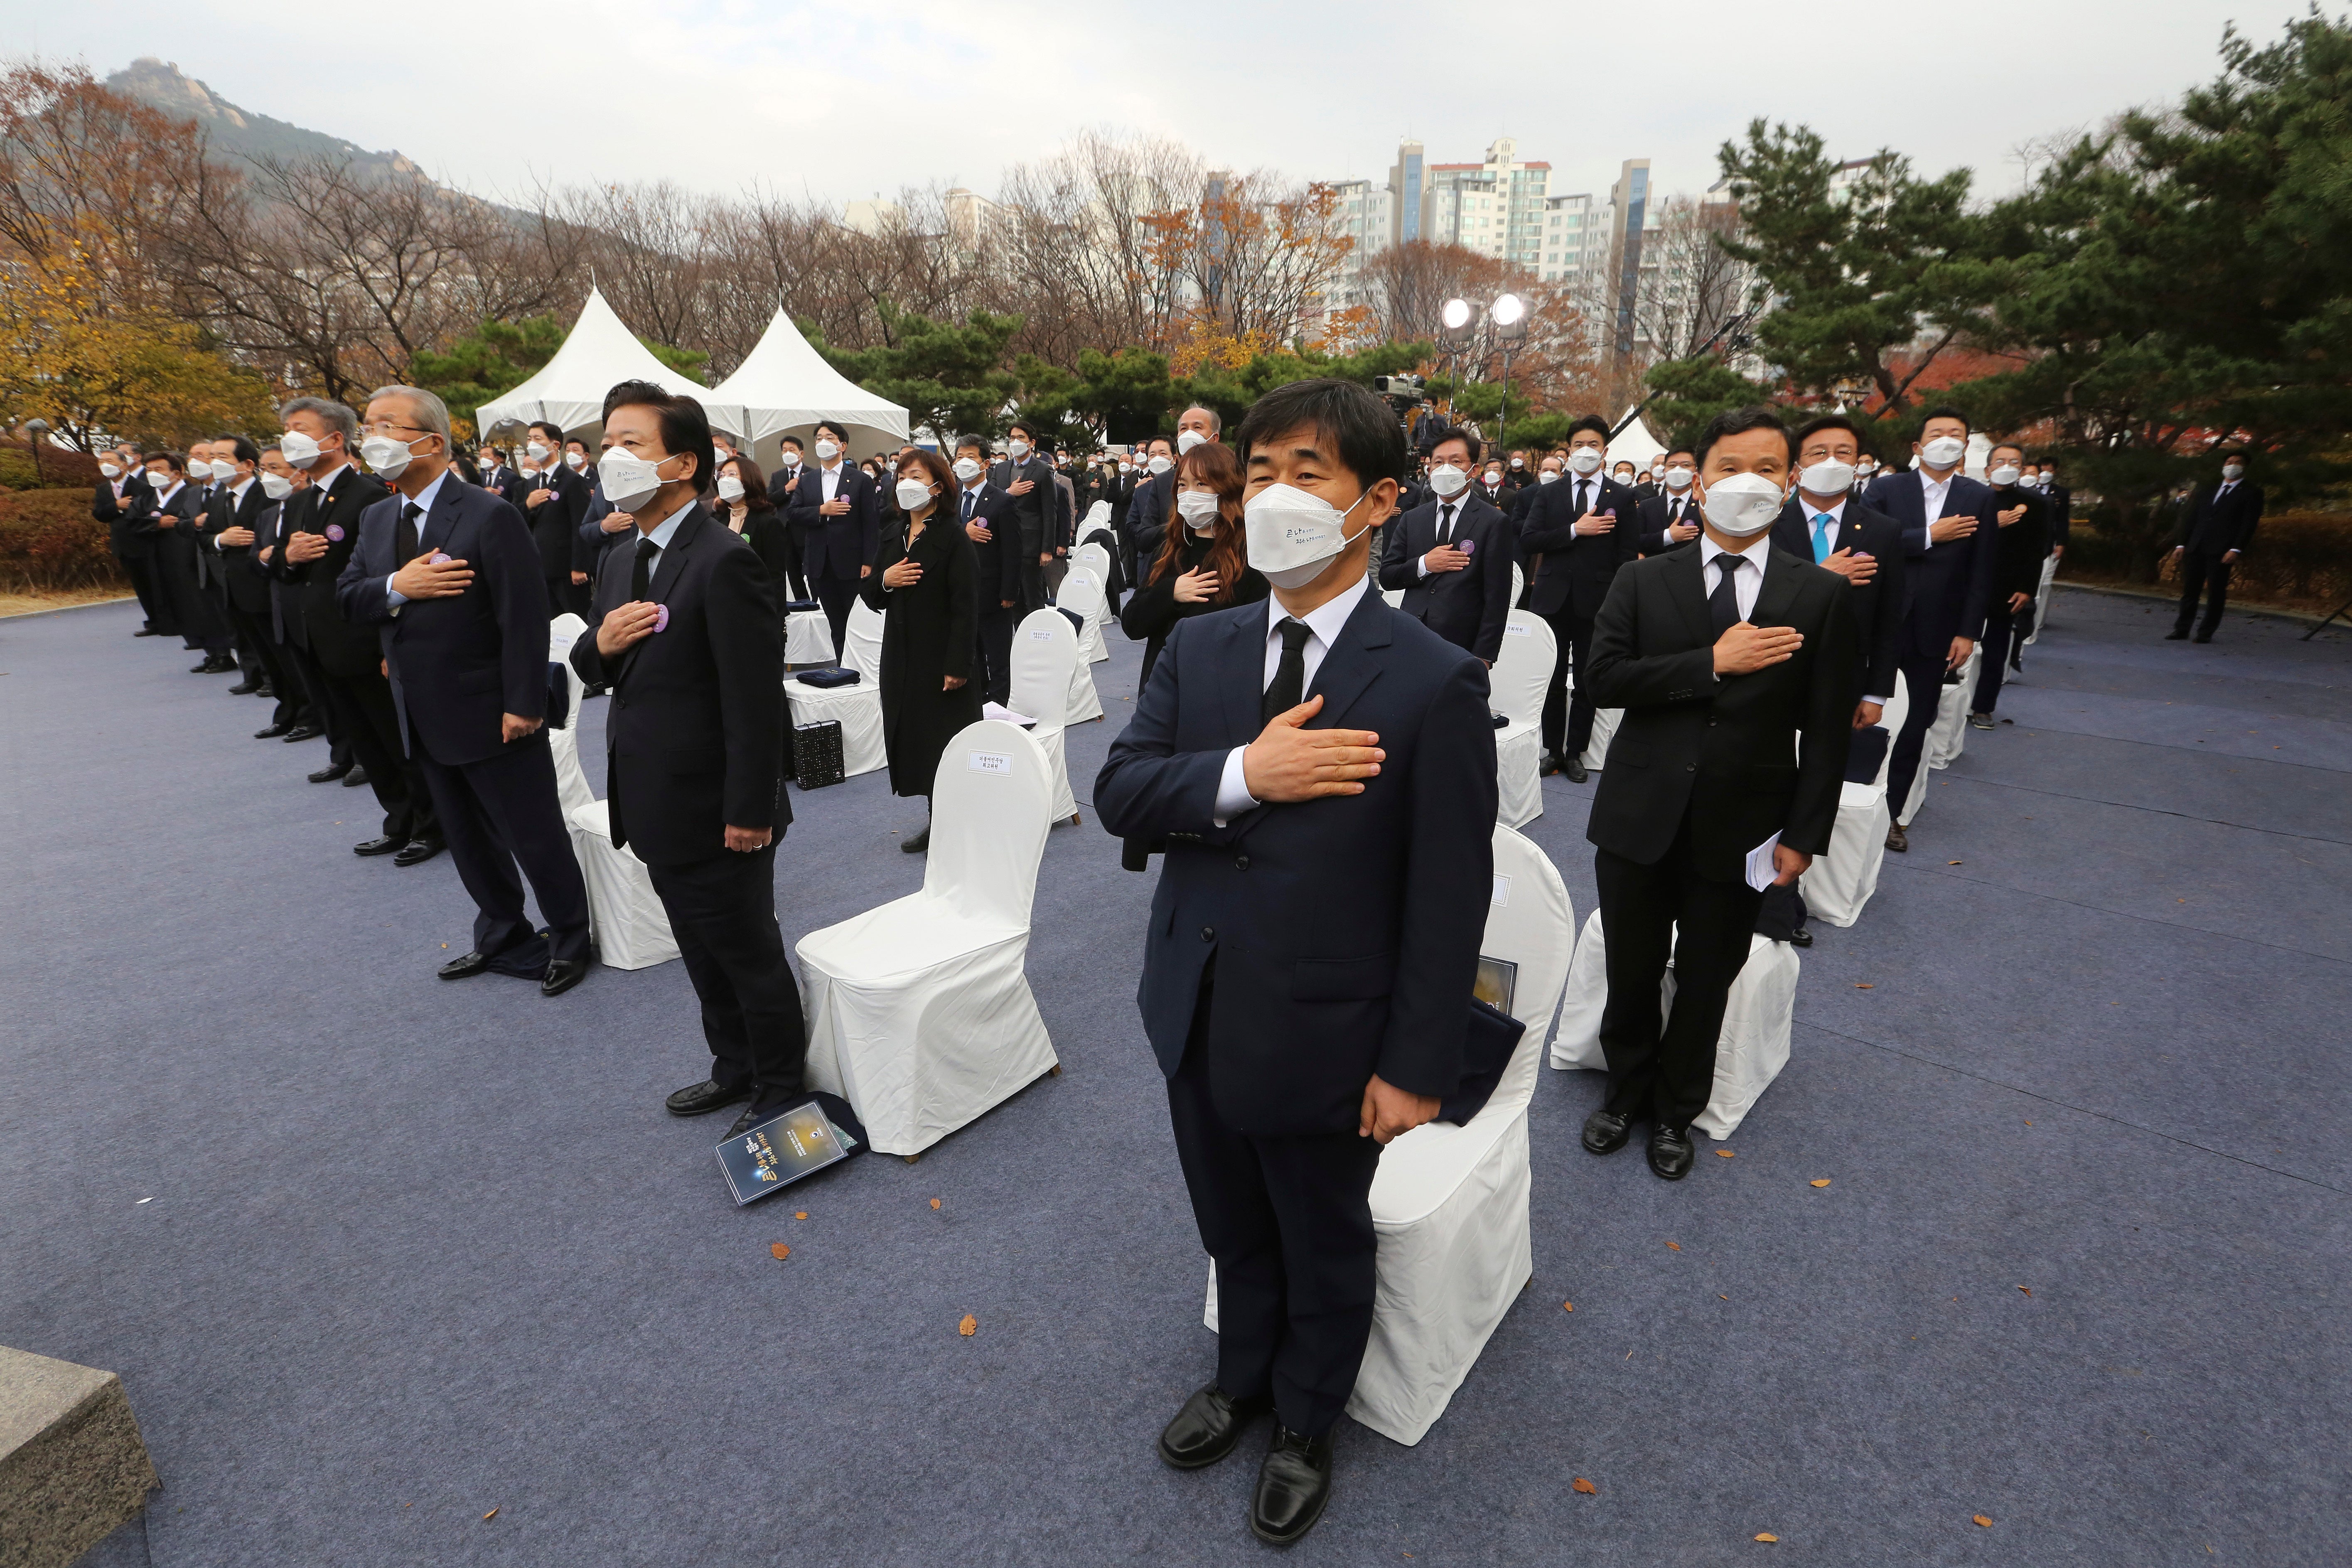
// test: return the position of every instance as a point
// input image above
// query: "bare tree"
(1690, 288)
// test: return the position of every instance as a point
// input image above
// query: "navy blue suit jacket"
(1345, 930)
(1949, 587)
(457, 664)
(1877, 605)
(837, 546)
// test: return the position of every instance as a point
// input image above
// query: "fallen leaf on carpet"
(802, 1214)
(1981, 1520)
(444, 947)
(969, 1327)
(778, 1249)
(1864, 985)
(492, 1514)
(1721, 1296)
(1820, 1181)
(1587, 1488)
(935, 1202)
(1676, 1245)
(1724, 1154)
(2028, 1124)
(1568, 1306)
(2027, 1288)
(1951, 862)
(1766, 1536)
(144, 1200)
(1629, 1355)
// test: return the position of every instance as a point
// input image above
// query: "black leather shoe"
(1208, 1428)
(1896, 840)
(218, 665)
(464, 967)
(919, 843)
(303, 732)
(1548, 764)
(751, 1116)
(562, 974)
(417, 851)
(2177, 634)
(1575, 772)
(331, 772)
(2202, 636)
(1293, 1485)
(1670, 1152)
(245, 688)
(1802, 937)
(146, 632)
(272, 733)
(390, 843)
(357, 776)
(702, 1099)
(1605, 1132)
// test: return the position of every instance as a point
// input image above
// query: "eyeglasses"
(387, 428)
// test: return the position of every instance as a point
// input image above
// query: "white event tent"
(568, 390)
(784, 388)
(1636, 444)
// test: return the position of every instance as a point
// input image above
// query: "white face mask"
(2004, 475)
(628, 479)
(1017, 450)
(1199, 511)
(826, 451)
(537, 450)
(731, 488)
(577, 459)
(111, 470)
(1187, 440)
(161, 479)
(1679, 478)
(2233, 472)
(1494, 478)
(1742, 504)
(1518, 462)
(913, 495)
(1549, 476)
(1294, 533)
(1127, 468)
(967, 469)
(277, 486)
(198, 470)
(1827, 478)
(387, 457)
(1586, 459)
(1447, 480)
(1864, 469)
(1160, 463)
(297, 448)
(1943, 451)
(1625, 479)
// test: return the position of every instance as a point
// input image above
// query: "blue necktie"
(1823, 522)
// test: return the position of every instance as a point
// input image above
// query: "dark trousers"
(371, 726)
(195, 612)
(1289, 1222)
(1668, 1074)
(1923, 677)
(1567, 715)
(493, 814)
(153, 607)
(1032, 570)
(722, 910)
(313, 682)
(836, 594)
(566, 597)
(2208, 574)
(995, 636)
(259, 648)
(2003, 629)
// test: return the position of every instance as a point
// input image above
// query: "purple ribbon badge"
(1467, 546)
(439, 556)
(335, 532)
(661, 618)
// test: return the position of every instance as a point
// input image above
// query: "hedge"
(2299, 558)
(58, 468)
(50, 543)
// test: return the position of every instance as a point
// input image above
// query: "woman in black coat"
(741, 502)
(1203, 564)
(926, 585)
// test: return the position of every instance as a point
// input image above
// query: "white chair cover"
(1082, 596)
(1840, 882)
(1515, 685)
(626, 917)
(1095, 561)
(856, 709)
(1518, 583)
(1605, 726)
(808, 639)
(2042, 599)
(1395, 596)
(1044, 656)
(863, 632)
(919, 1012)
(571, 783)
(1749, 1053)
(1450, 1203)
(1950, 732)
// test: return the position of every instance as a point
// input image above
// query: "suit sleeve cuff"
(1233, 792)
(393, 597)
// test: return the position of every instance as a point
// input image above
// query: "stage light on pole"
(1509, 312)
(1456, 315)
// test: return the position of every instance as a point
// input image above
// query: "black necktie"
(1445, 522)
(1724, 603)
(1674, 512)
(1581, 487)
(407, 536)
(1290, 688)
(968, 498)
(640, 572)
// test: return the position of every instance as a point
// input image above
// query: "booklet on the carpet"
(775, 1154)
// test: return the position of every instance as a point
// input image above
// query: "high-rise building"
(1406, 182)
(1573, 238)
(1628, 216)
(1366, 214)
(1494, 208)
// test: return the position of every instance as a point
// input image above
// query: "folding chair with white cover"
(1395, 596)
(1749, 1053)
(626, 917)
(1840, 881)
(1044, 656)
(2042, 599)
(1449, 1203)
(1605, 726)
(1096, 559)
(1522, 670)
(919, 1012)
(1518, 583)
(1946, 733)
(1082, 596)
(808, 639)
(863, 631)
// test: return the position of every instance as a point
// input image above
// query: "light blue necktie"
(1823, 522)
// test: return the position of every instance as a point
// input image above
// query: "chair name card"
(1510, 631)
(1502, 890)
(990, 762)
(775, 1154)
(1040, 634)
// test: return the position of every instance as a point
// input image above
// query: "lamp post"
(1509, 314)
(1453, 333)
(34, 430)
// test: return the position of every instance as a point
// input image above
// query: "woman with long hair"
(1203, 563)
(741, 500)
(926, 583)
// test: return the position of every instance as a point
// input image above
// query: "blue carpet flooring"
(418, 1251)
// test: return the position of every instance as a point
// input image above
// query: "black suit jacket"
(2019, 552)
(999, 569)
(1654, 513)
(269, 532)
(352, 652)
(1948, 585)
(1877, 604)
(1720, 747)
(2061, 505)
(555, 523)
(1468, 607)
(1345, 930)
(835, 546)
(695, 739)
(1147, 513)
(2215, 523)
(1577, 568)
(1037, 512)
(457, 664)
(247, 581)
(121, 514)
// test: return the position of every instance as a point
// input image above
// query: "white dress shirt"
(423, 502)
(1750, 580)
(1447, 533)
(829, 482)
(1323, 625)
(1932, 491)
(236, 499)
(1836, 511)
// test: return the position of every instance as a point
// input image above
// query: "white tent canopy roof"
(784, 388)
(1636, 444)
(570, 389)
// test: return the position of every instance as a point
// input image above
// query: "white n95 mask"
(1187, 440)
(199, 470)
(111, 470)
(826, 451)
(1017, 450)
(731, 488)
(2006, 475)
(1679, 478)
(1547, 477)
(1827, 478)
(1585, 460)
(1160, 463)
(913, 495)
(297, 448)
(967, 469)
(1447, 480)
(1943, 451)
(1199, 510)
(1742, 504)
(277, 486)
(629, 481)
(1294, 533)
(388, 458)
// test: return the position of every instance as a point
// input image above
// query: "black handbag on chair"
(817, 755)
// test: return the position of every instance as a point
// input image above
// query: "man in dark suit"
(685, 629)
(1668, 515)
(1825, 524)
(836, 515)
(346, 660)
(170, 526)
(781, 486)
(2020, 546)
(1148, 506)
(1028, 476)
(121, 499)
(509, 484)
(1729, 657)
(446, 578)
(1314, 939)
(1948, 521)
(296, 706)
(226, 538)
(2216, 528)
(554, 500)
(984, 511)
(1453, 556)
(1583, 528)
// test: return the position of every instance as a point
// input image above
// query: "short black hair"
(1027, 430)
(1739, 421)
(1590, 422)
(685, 427)
(1814, 426)
(1946, 411)
(972, 444)
(178, 461)
(2016, 447)
(1455, 433)
(792, 441)
(2240, 453)
(547, 428)
(839, 434)
(1683, 452)
(246, 452)
(1352, 418)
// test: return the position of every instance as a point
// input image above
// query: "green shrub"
(58, 468)
(50, 543)
(2298, 558)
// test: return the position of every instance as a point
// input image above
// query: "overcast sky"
(843, 101)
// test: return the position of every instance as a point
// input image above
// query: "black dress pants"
(2001, 628)
(493, 814)
(1032, 570)
(313, 680)
(1567, 715)
(722, 910)
(1668, 1074)
(2209, 576)
(371, 726)
(138, 566)
(195, 611)
(836, 594)
(995, 670)
(1289, 1222)
(1923, 678)
(263, 656)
